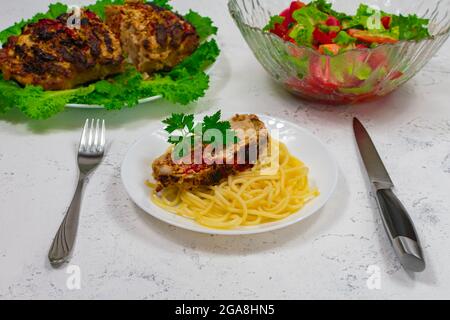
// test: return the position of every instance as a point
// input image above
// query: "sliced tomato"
(289, 39)
(386, 21)
(295, 5)
(366, 36)
(321, 37)
(280, 30)
(377, 59)
(320, 76)
(332, 22)
(395, 75)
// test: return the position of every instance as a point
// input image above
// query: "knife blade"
(396, 220)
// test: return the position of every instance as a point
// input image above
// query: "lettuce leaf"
(203, 25)
(272, 22)
(181, 90)
(204, 56)
(99, 7)
(325, 6)
(410, 27)
(307, 17)
(344, 39)
(163, 4)
(33, 101)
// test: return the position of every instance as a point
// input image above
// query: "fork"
(90, 154)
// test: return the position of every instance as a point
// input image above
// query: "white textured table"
(124, 253)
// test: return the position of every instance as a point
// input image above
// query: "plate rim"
(271, 226)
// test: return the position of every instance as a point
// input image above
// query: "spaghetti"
(248, 198)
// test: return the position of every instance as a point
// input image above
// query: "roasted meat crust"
(152, 38)
(50, 54)
(167, 172)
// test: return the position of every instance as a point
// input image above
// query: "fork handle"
(64, 240)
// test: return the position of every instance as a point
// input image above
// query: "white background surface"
(124, 253)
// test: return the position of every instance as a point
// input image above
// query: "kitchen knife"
(396, 220)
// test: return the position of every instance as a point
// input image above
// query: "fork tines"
(93, 137)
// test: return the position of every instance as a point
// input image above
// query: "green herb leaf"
(185, 124)
(179, 121)
(344, 39)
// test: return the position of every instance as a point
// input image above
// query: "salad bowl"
(350, 76)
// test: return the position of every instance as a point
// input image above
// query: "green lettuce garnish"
(272, 22)
(203, 25)
(307, 18)
(410, 27)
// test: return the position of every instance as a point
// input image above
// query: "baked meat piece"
(152, 38)
(55, 56)
(168, 172)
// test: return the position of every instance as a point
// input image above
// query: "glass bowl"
(344, 78)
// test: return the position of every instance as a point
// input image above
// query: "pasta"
(249, 198)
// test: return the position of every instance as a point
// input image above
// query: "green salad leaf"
(326, 7)
(410, 27)
(309, 15)
(307, 18)
(272, 22)
(203, 25)
(34, 101)
(185, 83)
(344, 39)
(99, 7)
(162, 3)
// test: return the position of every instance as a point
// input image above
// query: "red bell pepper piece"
(386, 21)
(295, 5)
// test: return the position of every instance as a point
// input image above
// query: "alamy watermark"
(73, 281)
(74, 20)
(374, 280)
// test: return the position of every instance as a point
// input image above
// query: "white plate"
(136, 168)
(141, 101)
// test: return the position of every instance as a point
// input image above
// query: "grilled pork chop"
(168, 172)
(50, 54)
(152, 38)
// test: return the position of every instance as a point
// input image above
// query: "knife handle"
(401, 231)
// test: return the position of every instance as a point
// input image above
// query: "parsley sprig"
(182, 129)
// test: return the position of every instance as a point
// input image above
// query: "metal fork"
(90, 154)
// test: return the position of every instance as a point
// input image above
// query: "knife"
(396, 220)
